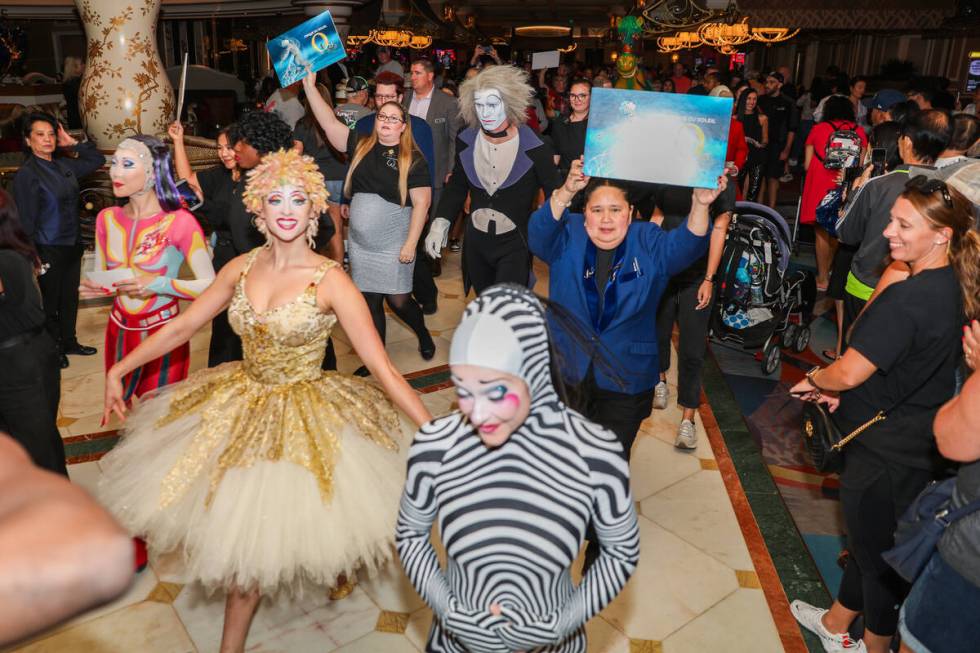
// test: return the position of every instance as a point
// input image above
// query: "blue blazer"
(627, 327)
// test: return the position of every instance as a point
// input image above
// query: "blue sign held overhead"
(663, 138)
(306, 49)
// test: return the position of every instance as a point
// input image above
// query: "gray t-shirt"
(864, 221)
(351, 112)
(960, 545)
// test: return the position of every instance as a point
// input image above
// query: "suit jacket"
(625, 334)
(444, 120)
(533, 169)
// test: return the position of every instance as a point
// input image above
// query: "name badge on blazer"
(439, 120)
(635, 272)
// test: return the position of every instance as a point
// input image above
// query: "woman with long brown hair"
(30, 386)
(902, 359)
(390, 189)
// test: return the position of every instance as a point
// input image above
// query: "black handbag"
(823, 439)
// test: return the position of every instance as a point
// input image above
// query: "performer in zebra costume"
(514, 478)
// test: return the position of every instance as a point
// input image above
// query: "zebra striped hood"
(505, 329)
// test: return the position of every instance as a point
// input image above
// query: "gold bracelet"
(812, 373)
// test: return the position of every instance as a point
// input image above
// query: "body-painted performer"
(153, 237)
(502, 164)
(267, 474)
(513, 479)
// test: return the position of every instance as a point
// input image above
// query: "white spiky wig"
(514, 88)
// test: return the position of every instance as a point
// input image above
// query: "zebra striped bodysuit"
(513, 518)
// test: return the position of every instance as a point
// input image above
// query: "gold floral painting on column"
(125, 90)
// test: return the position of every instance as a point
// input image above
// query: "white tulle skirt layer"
(268, 525)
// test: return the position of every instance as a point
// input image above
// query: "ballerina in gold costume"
(268, 474)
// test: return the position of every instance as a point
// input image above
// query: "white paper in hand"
(106, 278)
(548, 59)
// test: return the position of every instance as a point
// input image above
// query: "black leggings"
(871, 504)
(405, 308)
(754, 174)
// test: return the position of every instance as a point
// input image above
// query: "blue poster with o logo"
(664, 138)
(305, 49)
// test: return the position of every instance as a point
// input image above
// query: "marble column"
(125, 90)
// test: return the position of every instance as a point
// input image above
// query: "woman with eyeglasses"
(568, 131)
(903, 358)
(390, 188)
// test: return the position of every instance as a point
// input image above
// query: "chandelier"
(665, 16)
(413, 32)
(724, 37)
(719, 35)
(686, 24)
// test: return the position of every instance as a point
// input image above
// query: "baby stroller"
(760, 304)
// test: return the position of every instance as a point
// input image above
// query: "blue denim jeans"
(940, 613)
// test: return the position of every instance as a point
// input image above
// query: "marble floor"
(702, 582)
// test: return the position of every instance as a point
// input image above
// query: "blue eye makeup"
(496, 393)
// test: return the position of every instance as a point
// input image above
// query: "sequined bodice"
(284, 344)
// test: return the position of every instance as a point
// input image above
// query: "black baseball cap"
(356, 84)
(778, 76)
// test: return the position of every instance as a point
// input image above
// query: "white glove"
(438, 235)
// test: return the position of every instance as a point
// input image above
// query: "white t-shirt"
(290, 110)
(392, 67)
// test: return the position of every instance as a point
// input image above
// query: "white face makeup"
(496, 403)
(129, 173)
(490, 109)
(286, 212)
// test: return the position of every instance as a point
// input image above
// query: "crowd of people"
(340, 198)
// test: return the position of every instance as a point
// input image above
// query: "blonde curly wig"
(286, 168)
(511, 82)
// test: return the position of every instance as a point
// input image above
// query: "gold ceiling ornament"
(725, 37)
(666, 16)
(570, 48)
(679, 41)
(420, 41)
(389, 37)
(770, 35)
(719, 35)
(550, 31)
(357, 40)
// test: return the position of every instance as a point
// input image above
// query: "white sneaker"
(810, 617)
(687, 437)
(660, 394)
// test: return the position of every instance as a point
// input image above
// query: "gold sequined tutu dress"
(266, 473)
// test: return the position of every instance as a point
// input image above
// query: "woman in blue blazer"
(610, 272)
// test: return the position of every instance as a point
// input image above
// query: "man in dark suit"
(441, 113)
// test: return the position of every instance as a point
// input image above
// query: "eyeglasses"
(928, 186)
(579, 96)
(385, 98)
(389, 118)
